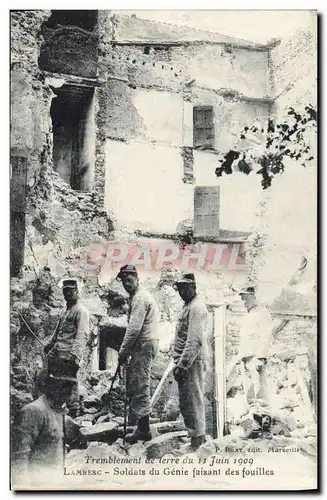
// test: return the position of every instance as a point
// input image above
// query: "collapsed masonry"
(58, 183)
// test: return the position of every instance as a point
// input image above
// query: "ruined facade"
(115, 122)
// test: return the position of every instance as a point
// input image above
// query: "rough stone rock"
(119, 420)
(93, 379)
(164, 444)
(91, 410)
(118, 447)
(92, 401)
(136, 450)
(164, 427)
(236, 408)
(19, 399)
(246, 424)
(280, 428)
(207, 449)
(105, 418)
(107, 432)
(88, 417)
(86, 423)
(284, 419)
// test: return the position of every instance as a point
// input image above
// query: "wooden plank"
(220, 368)
(161, 384)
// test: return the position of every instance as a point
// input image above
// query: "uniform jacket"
(72, 331)
(191, 334)
(143, 319)
(39, 433)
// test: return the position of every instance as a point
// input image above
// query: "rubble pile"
(170, 439)
(289, 391)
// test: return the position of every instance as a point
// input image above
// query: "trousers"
(191, 399)
(138, 378)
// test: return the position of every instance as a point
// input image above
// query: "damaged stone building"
(117, 125)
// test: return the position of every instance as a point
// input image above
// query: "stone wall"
(70, 50)
(59, 224)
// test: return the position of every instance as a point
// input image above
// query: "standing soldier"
(256, 337)
(189, 354)
(141, 343)
(66, 348)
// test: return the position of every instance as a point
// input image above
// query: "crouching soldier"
(141, 343)
(256, 337)
(66, 348)
(42, 431)
(189, 354)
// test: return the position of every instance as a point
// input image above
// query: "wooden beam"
(220, 368)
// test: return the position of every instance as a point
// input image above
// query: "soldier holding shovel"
(189, 354)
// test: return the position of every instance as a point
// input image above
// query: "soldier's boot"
(142, 432)
(256, 431)
(266, 427)
(197, 441)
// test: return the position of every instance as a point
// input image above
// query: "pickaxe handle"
(159, 388)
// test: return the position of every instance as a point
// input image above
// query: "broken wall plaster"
(70, 50)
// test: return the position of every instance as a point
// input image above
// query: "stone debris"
(136, 450)
(87, 417)
(101, 432)
(91, 410)
(164, 427)
(91, 401)
(164, 444)
(105, 418)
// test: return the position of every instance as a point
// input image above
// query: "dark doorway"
(72, 116)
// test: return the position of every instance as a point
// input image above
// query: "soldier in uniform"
(41, 427)
(66, 347)
(140, 344)
(256, 331)
(190, 353)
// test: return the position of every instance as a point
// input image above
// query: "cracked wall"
(59, 225)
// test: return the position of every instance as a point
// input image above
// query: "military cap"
(70, 283)
(128, 269)
(186, 278)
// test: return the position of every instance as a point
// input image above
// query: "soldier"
(66, 348)
(256, 331)
(41, 427)
(141, 343)
(189, 354)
